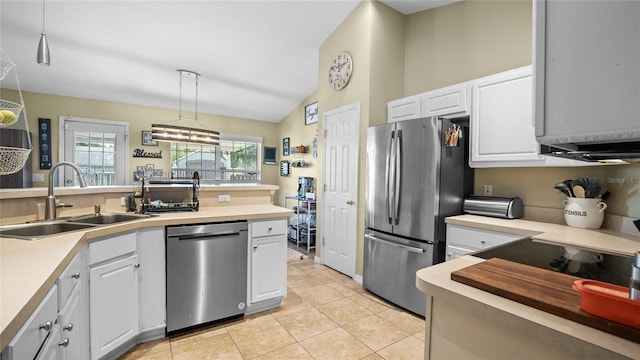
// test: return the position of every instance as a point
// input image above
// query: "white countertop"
(28, 268)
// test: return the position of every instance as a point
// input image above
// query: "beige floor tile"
(219, 346)
(420, 335)
(319, 295)
(344, 311)
(260, 337)
(370, 302)
(306, 323)
(281, 311)
(404, 320)
(344, 290)
(199, 335)
(375, 332)
(335, 344)
(373, 356)
(290, 352)
(409, 348)
(143, 351)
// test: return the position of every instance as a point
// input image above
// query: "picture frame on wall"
(285, 147)
(311, 113)
(269, 155)
(147, 139)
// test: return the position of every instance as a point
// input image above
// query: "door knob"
(349, 202)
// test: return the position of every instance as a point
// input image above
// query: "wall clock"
(340, 71)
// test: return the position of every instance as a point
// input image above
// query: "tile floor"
(326, 315)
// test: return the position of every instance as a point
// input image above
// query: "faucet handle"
(60, 204)
(97, 209)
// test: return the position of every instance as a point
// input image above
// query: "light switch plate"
(36, 177)
(224, 198)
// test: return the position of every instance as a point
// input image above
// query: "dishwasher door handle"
(206, 236)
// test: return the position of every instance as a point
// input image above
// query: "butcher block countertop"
(28, 269)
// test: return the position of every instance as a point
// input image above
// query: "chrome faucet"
(50, 202)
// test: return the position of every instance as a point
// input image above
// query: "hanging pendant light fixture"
(43, 57)
(185, 134)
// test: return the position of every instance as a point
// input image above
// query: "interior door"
(340, 212)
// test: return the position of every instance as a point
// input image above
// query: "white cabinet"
(73, 314)
(152, 279)
(454, 99)
(502, 130)
(587, 77)
(267, 260)
(113, 293)
(404, 109)
(39, 327)
(462, 240)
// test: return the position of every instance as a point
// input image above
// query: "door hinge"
(325, 188)
(325, 132)
(323, 241)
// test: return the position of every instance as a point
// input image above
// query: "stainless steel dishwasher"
(206, 273)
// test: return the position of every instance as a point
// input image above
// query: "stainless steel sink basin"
(38, 230)
(106, 219)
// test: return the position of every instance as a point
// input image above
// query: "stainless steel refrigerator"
(417, 174)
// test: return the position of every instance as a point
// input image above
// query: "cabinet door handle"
(76, 275)
(64, 342)
(46, 326)
(269, 229)
(68, 327)
(482, 242)
(136, 266)
(255, 247)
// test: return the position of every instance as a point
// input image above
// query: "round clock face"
(340, 71)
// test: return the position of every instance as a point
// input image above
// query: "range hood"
(617, 152)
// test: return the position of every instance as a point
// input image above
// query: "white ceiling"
(257, 59)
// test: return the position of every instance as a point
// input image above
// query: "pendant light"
(43, 47)
(185, 134)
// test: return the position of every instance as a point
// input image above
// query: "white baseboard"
(357, 278)
(317, 259)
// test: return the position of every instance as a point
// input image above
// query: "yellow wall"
(139, 118)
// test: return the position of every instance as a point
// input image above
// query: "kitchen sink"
(38, 230)
(106, 219)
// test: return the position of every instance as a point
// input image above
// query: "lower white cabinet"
(113, 293)
(152, 279)
(73, 309)
(267, 260)
(41, 326)
(51, 348)
(462, 240)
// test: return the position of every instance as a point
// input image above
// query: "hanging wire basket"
(9, 112)
(12, 159)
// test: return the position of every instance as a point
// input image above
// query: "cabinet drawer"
(454, 252)
(474, 239)
(268, 228)
(69, 279)
(27, 342)
(111, 247)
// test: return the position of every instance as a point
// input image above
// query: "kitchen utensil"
(578, 191)
(563, 188)
(588, 181)
(568, 183)
(592, 192)
(605, 195)
(637, 224)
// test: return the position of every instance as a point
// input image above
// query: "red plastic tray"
(608, 301)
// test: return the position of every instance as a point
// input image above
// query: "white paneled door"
(341, 188)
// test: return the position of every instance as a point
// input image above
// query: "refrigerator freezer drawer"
(390, 266)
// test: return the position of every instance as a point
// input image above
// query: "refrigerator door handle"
(402, 246)
(398, 173)
(389, 176)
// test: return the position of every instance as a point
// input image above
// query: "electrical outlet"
(37, 177)
(123, 201)
(488, 190)
(224, 198)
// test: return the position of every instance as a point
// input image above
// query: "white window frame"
(62, 126)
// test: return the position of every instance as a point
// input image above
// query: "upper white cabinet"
(502, 130)
(587, 72)
(404, 109)
(447, 101)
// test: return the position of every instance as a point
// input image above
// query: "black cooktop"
(612, 269)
